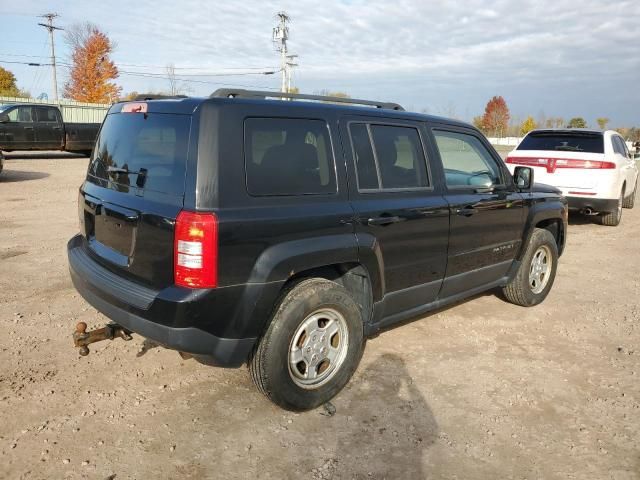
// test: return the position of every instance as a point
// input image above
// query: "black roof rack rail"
(156, 96)
(241, 93)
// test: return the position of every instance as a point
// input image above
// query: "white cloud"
(543, 53)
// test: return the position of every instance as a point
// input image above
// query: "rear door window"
(287, 156)
(47, 115)
(619, 145)
(560, 141)
(388, 157)
(143, 150)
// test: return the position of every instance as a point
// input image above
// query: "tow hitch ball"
(82, 338)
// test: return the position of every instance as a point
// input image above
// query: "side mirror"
(4, 118)
(523, 177)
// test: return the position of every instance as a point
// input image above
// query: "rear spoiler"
(154, 96)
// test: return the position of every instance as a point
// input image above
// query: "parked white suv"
(594, 169)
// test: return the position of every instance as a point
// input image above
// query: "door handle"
(28, 128)
(377, 221)
(466, 211)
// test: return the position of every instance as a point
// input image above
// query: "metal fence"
(511, 141)
(78, 112)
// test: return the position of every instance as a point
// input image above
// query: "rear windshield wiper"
(125, 170)
(142, 174)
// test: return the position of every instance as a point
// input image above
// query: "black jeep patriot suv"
(246, 229)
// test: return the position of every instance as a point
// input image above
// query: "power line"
(33, 64)
(166, 77)
(23, 55)
(35, 84)
(212, 74)
(156, 76)
(190, 68)
(270, 72)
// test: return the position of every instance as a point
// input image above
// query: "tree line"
(496, 121)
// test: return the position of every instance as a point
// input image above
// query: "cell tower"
(280, 37)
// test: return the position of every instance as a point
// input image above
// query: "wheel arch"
(333, 257)
(353, 276)
(549, 217)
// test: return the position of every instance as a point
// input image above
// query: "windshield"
(141, 151)
(5, 107)
(563, 141)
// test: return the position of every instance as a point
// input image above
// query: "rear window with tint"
(288, 157)
(44, 114)
(567, 142)
(398, 162)
(151, 145)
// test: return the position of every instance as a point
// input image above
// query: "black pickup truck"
(40, 127)
(282, 234)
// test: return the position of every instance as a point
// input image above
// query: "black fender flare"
(370, 257)
(282, 261)
(279, 263)
(539, 212)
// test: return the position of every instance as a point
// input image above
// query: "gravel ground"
(483, 389)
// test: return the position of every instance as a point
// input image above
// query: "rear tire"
(612, 219)
(631, 199)
(536, 273)
(311, 348)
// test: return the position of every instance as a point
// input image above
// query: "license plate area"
(115, 227)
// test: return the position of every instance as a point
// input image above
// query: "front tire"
(537, 272)
(612, 219)
(311, 348)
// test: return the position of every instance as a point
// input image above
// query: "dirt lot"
(480, 390)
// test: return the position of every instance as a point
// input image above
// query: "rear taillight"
(584, 164)
(195, 253)
(552, 164)
(531, 162)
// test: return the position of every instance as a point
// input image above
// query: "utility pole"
(280, 37)
(51, 27)
(290, 66)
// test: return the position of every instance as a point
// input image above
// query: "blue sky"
(557, 57)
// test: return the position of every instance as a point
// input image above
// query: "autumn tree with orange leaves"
(92, 71)
(495, 120)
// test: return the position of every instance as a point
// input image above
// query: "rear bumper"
(105, 291)
(595, 204)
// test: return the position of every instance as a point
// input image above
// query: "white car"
(594, 169)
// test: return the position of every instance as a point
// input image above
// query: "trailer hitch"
(82, 338)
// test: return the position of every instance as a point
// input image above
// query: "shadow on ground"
(579, 219)
(391, 427)
(9, 175)
(380, 426)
